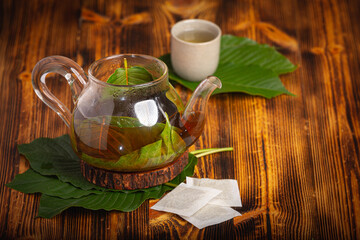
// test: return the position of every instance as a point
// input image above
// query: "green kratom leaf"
(136, 75)
(33, 182)
(59, 195)
(120, 128)
(173, 145)
(245, 66)
(132, 161)
(246, 52)
(125, 201)
(163, 150)
(251, 79)
(51, 206)
(55, 157)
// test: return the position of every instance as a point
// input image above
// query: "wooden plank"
(285, 134)
(328, 130)
(27, 38)
(351, 88)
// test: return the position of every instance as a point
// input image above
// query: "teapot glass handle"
(70, 70)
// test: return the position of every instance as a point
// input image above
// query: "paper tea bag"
(186, 200)
(211, 215)
(230, 195)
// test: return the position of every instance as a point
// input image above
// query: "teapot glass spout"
(194, 113)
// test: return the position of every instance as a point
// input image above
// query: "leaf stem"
(204, 152)
(169, 184)
(126, 71)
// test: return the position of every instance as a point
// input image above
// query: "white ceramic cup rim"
(187, 21)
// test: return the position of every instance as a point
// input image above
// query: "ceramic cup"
(194, 60)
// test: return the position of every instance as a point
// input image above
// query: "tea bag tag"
(186, 200)
(230, 195)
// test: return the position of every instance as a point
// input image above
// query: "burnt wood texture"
(296, 159)
(133, 180)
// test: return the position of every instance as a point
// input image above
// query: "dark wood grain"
(296, 159)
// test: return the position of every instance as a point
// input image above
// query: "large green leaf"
(245, 66)
(246, 52)
(55, 157)
(125, 201)
(251, 79)
(33, 182)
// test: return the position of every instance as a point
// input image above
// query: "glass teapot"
(125, 128)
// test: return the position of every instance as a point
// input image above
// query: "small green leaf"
(173, 144)
(245, 66)
(136, 75)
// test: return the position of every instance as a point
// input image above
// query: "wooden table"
(296, 159)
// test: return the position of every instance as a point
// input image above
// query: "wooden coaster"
(133, 180)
